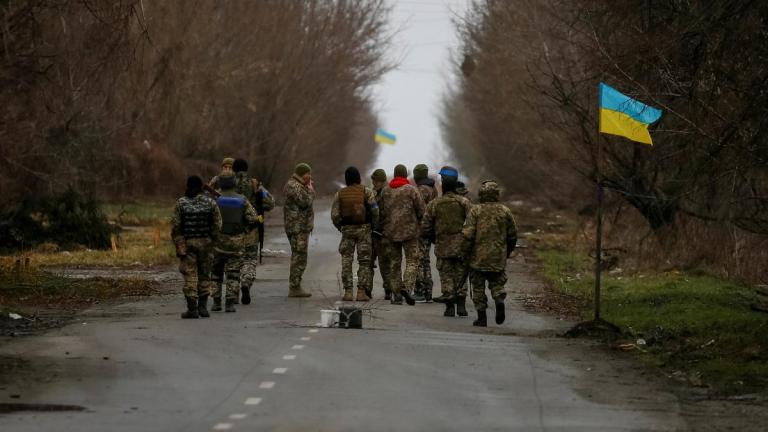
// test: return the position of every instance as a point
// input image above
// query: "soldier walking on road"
(426, 187)
(401, 210)
(490, 236)
(442, 225)
(299, 223)
(354, 212)
(262, 201)
(195, 223)
(379, 178)
(238, 216)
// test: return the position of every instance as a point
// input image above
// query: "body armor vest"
(232, 210)
(450, 217)
(352, 204)
(196, 217)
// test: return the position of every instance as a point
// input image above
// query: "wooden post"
(113, 240)
(156, 237)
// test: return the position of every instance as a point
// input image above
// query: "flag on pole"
(384, 137)
(621, 115)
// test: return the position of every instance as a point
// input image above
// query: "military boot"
(362, 296)
(369, 292)
(246, 293)
(230, 305)
(387, 295)
(397, 299)
(418, 296)
(347, 295)
(461, 306)
(216, 304)
(500, 314)
(450, 311)
(191, 309)
(202, 306)
(428, 296)
(442, 299)
(482, 319)
(407, 296)
(298, 292)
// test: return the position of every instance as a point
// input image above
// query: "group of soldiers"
(217, 226)
(399, 218)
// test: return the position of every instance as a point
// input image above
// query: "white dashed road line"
(222, 426)
(252, 401)
(297, 347)
(238, 416)
(313, 330)
(306, 338)
(279, 371)
(267, 385)
(289, 357)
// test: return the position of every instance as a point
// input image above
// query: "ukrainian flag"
(624, 116)
(384, 137)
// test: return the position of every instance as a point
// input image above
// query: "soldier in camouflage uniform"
(238, 217)
(401, 210)
(490, 236)
(262, 201)
(379, 179)
(442, 225)
(354, 212)
(195, 223)
(299, 223)
(226, 169)
(426, 187)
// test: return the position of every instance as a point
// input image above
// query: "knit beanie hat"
(302, 168)
(352, 176)
(420, 171)
(194, 186)
(379, 175)
(401, 171)
(227, 161)
(240, 165)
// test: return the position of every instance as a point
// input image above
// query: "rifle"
(260, 212)
(211, 191)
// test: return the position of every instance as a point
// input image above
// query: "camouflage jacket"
(202, 203)
(400, 212)
(254, 191)
(490, 235)
(427, 190)
(297, 212)
(236, 243)
(443, 223)
(371, 204)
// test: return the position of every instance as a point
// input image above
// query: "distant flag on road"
(384, 137)
(623, 116)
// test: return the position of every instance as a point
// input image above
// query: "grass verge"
(698, 328)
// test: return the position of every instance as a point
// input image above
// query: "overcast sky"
(408, 99)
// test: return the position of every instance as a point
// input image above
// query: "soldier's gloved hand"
(260, 219)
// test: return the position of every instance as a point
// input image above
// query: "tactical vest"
(352, 204)
(232, 210)
(196, 217)
(449, 217)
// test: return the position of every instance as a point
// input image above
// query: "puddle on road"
(155, 275)
(6, 408)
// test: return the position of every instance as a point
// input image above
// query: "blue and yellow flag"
(621, 115)
(384, 137)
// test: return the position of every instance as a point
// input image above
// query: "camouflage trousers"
(495, 280)
(394, 251)
(299, 245)
(250, 262)
(195, 267)
(381, 257)
(424, 276)
(356, 237)
(228, 264)
(453, 273)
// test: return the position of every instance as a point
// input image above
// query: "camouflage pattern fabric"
(372, 206)
(298, 213)
(199, 202)
(400, 211)
(394, 254)
(495, 280)
(453, 273)
(299, 244)
(379, 256)
(490, 235)
(228, 264)
(250, 264)
(424, 282)
(443, 222)
(356, 237)
(195, 267)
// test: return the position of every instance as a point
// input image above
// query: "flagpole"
(599, 224)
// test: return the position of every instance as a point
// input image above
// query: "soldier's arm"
(428, 223)
(176, 222)
(468, 232)
(267, 200)
(419, 205)
(250, 214)
(511, 232)
(217, 221)
(373, 207)
(336, 212)
(302, 196)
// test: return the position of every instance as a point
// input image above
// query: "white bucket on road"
(329, 317)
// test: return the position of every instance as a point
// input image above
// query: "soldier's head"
(194, 186)
(449, 177)
(226, 165)
(420, 172)
(379, 178)
(401, 171)
(489, 191)
(352, 176)
(304, 171)
(240, 165)
(227, 181)
(461, 189)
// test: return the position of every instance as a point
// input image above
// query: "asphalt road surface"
(138, 367)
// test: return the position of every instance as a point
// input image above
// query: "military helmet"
(489, 191)
(227, 161)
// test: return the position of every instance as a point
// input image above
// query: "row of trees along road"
(125, 98)
(527, 87)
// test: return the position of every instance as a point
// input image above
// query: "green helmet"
(489, 191)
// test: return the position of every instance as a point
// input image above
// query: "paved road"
(138, 367)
